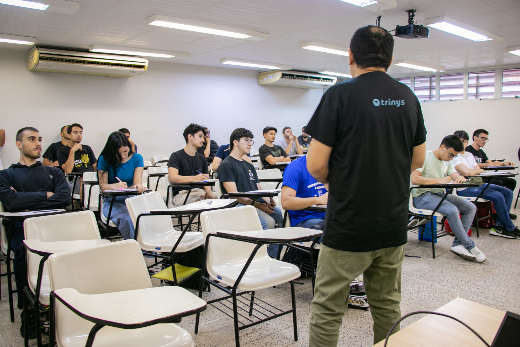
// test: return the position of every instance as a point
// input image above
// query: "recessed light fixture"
(325, 48)
(57, 6)
(205, 28)
(455, 27)
(379, 5)
(419, 66)
(514, 50)
(19, 40)
(254, 64)
(334, 73)
(360, 3)
(137, 51)
(25, 4)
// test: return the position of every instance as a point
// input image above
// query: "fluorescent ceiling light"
(137, 51)
(373, 5)
(325, 48)
(333, 73)
(254, 64)
(19, 40)
(514, 50)
(205, 28)
(455, 27)
(361, 3)
(419, 66)
(25, 4)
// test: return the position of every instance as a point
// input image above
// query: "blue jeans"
(268, 221)
(502, 199)
(460, 214)
(120, 216)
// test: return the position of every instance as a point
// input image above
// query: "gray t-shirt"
(284, 145)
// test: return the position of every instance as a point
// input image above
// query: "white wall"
(156, 106)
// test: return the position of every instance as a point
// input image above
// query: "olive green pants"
(336, 270)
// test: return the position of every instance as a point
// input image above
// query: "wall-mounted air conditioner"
(84, 63)
(295, 79)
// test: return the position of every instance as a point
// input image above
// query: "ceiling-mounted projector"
(412, 31)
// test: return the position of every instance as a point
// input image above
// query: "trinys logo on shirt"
(388, 102)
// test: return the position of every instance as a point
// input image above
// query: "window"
(481, 85)
(424, 88)
(451, 87)
(511, 83)
(405, 81)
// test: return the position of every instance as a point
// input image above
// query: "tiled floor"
(427, 284)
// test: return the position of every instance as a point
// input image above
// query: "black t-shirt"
(188, 165)
(52, 151)
(84, 159)
(277, 151)
(372, 123)
(480, 155)
(240, 172)
(213, 148)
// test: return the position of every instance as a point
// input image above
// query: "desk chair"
(260, 164)
(90, 191)
(158, 180)
(147, 164)
(116, 305)
(156, 161)
(6, 255)
(270, 173)
(226, 259)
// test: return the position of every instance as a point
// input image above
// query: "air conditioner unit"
(84, 63)
(295, 79)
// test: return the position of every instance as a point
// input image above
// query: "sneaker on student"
(516, 232)
(461, 251)
(501, 231)
(480, 257)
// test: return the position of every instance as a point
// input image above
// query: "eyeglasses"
(249, 141)
(484, 139)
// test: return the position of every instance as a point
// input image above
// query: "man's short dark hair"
(124, 130)
(268, 129)
(19, 134)
(372, 46)
(304, 129)
(69, 129)
(452, 141)
(285, 128)
(63, 127)
(480, 131)
(192, 129)
(461, 134)
(237, 134)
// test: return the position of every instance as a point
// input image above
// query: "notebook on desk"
(508, 334)
(121, 190)
(494, 173)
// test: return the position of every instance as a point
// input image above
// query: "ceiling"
(288, 22)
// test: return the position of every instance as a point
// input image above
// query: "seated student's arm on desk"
(418, 179)
(216, 162)
(318, 161)
(273, 160)
(291, 202)
(47, 162)
(104, 185)
(138, 180)
(268, 200)
(419, 153)
(466, 171)
(18, 201)
(173, 175)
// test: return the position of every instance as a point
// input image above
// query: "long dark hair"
(111, 154)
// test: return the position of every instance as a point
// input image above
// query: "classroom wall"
(155, 106)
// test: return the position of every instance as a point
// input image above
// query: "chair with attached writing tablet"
(116, 305)
(90, 189)
(226, 260)
(7, 256)
(274, 174)
(158, 180)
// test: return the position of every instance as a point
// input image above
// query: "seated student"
(120, 168)
(133, 146)
(270, 154)
(289, 142)
(28, 185)
(502, 198)
(480, 137)
(2, 143)
(304, 139)
(187, 165)
(209, 147)
(50, 157)
(222, 153)
(237, 175)
(438, 169)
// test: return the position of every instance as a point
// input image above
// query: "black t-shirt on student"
(277, 151)
(188, 165)
(52, 151)
(372, 123)
(480, 155)
(84, 159)
(240, 172)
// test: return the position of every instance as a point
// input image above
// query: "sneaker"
(512, 216)
(461, 251)
(480, 257)
(516, 232)
(500, 231)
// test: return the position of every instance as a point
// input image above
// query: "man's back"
(372, 122)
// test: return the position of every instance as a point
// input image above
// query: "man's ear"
(19, 144)
(350, 57)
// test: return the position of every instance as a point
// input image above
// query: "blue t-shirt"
(298, 178)
(223, 152)
(125, 172)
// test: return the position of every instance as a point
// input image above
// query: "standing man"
(50, 157)
(367, 213)
(127, 134)
(289, 142)
(304, 139)
(28, 185)
(480, 137)
(270, 154)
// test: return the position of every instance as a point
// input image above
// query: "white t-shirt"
(467, 159)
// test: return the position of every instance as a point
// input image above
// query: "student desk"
(189, 186)
(280, 166)
(254, 194)
(434, 331)
(498, 168)
(279, 180)
(159, 175)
